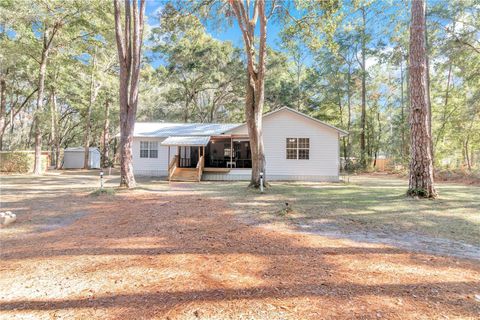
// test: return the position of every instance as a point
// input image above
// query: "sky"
(228, 33)
(383, 13)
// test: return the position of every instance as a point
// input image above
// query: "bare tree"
(247, 18)
(363, 158)
(421, 164)
(105, 135)
(88, 121)
(129, 45)
(3, 107)
(47, 36)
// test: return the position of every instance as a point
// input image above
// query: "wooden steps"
(185, 174)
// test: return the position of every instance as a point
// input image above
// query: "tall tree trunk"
(88, 116)
(105, 135)
(53, 125)
(37, 168)
(349, 120)
(253, 115)
(445, 106)
(55, 129)
(255, 90)
(402, 114)
(129, 45)
(3, 109)
(363, 160)
(427, 50)
(421, 165)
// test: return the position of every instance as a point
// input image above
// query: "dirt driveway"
(180, 255)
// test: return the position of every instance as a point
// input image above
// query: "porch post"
(168, 160)
(231, 152)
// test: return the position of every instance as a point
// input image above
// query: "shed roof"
(186, 141)
(80, 149)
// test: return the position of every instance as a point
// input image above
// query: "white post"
(261, 182)
(101, 179)
(231, 152)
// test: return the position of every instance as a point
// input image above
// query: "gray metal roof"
(163, 129)
(186, 141)
(81, 149)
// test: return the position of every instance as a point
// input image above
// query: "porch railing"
(185, 162)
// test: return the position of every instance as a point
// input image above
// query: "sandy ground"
(180, 255)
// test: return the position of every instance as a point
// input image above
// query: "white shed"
(73, 158)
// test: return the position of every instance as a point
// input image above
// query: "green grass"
(366, 204)
(104, 191)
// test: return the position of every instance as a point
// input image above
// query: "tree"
(129, 45)
(202, 75)
(362, 62)
(255, 88)
(421, 164)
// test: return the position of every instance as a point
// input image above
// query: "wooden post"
(231, 152)
(168, 161)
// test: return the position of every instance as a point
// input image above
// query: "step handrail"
(172, 166)
(200, 166)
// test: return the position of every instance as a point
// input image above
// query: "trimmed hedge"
(20, 161)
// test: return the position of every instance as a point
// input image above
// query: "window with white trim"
(298, 148)
(148, 149)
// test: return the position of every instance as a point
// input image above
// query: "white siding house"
(297, 147)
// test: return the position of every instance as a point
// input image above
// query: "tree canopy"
(346, 62)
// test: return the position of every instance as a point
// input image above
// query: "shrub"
(20, 161)
(417, 192)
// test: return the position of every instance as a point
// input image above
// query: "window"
(292, 148)
(143, 149)
(153, 149)
(298, 148)
(148, 149)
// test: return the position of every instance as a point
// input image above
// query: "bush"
(15, 162)
(20, 161)
(417, 192)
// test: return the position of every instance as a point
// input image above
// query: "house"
(297, 147)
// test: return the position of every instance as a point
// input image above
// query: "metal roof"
(80, 149)
(186, 141)
(163, 129)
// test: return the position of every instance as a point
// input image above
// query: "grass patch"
(104, 191)
(366, 204)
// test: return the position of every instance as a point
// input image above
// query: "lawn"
(372, 208)
(222, 251)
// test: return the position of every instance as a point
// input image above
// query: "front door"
(188, 156)
(185, 156)
(194, 156)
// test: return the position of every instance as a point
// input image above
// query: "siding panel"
(151, 166)
(324, 147)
